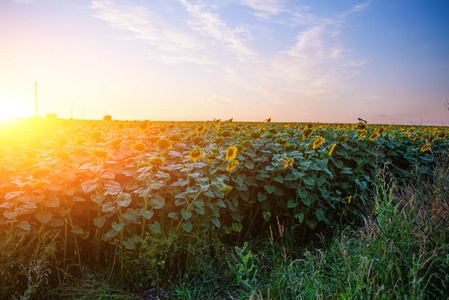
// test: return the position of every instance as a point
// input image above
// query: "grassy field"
(112, 209)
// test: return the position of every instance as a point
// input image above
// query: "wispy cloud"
(265, 8)
(210, 24)
(24, 1)
(145, 25)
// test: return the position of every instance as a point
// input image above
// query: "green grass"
(398, 250)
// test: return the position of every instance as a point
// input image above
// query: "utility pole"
(35, 92)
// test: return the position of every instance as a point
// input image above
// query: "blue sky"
(310, 61)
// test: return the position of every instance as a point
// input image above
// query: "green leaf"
(266, 215)
(292, 204)
(249, 164)
(117, 226)
(186, 214)
(44, 218)
(156, 227)
(147, 214)
(216, 222)
(173, 216)
(269, 188)
(237, 227)
(125, 200)
(300, 217)
(320, 215)
(99, 222)
(310, 181)
(77, 230)
(187, 226)
(90, 185)
(158, 202)
(261, 196)
(51, 201)
(311, 223)
(129, 244)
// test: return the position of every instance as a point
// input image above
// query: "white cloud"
(165, 40)
(209, 24)
(265, 8)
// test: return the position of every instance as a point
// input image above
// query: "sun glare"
(8, 109)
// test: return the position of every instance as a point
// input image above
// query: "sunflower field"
(107, 184)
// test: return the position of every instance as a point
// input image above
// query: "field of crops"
(107, 184)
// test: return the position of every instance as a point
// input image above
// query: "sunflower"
(441, 135)
(231, 153)
(425, 147)
(219, 140)
(116, 143)
(318, 142)
(309, 126)
(232, 165)
(281, 141)
(255, 135)
(225, 133)
(332, 149)
(269, 120)
(196, 154)
(175, 138)
(236, 129)
(153, 139)
(288, 163)
(157, 161)
(217, 123)
(374, 136)
(273, 130)
(362, 135)
(382, 130)
(361, 126)
(200, 129)
(143, 125)
(164, 143)
(211, 157)
(307, 133)
(139, 147)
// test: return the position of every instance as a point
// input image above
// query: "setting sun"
(8, 109)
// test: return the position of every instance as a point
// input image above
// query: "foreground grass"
(400, 249)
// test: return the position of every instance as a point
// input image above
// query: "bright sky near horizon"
(292, 60)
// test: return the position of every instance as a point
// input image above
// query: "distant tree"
(51, 116)
(107, 118)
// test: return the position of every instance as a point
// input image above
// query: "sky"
(329, 61)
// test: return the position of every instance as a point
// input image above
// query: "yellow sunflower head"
(196, 154)
(425, 147)
(157, 161)
(164, 143)
(318, 142)
(361, 126)
(374, 136)
(139, 147)
(231, 153)
(332, 149)
(288, 163)
(232, 165)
